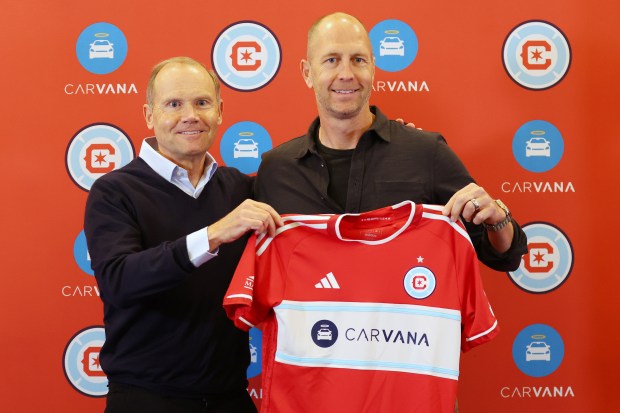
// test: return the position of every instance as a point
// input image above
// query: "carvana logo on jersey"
(419, 282)
(246, 56)
(394, 44)
(538, 146)
(324, 333)
(536, 55)
(243, 144)
(370, 336)
(548, 262)
(96, 150)
(81, 255)
(256, 353)
(538, 350)
(101, 48)
(81, 362)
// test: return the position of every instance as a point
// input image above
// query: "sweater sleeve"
(125, 269)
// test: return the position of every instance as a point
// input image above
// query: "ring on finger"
(475, 203)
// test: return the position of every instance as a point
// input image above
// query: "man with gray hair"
(165, 233)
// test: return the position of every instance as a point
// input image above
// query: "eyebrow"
(336, 54)
(202, 97)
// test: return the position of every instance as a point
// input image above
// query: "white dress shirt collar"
(173, 173)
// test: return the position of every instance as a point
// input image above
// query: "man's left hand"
(475, 205)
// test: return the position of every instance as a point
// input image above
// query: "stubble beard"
(346, 113)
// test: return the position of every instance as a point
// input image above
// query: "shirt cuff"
(198, 247)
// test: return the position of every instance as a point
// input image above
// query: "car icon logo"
(245, 148)
(538, 350)
(391, 46)
(101, 49)
(324, 333)
(537, 145)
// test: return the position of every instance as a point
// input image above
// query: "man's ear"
(221, 112)
(304, 66)
(374, 66)
(147, 111)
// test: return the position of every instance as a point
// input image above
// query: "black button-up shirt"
(391, 163)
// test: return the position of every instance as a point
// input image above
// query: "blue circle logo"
(81, 255)
(536, 55)
(101, 48)
(243, 144)
(538, 146)
(394, 44)
(246, 56)
(256, 353)
(324, 333)
(419, 282)
(96, 150)
(548, 262)
(538, 350)
(81, 362)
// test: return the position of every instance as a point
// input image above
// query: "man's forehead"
(178, 71)
(187, 82)
(359, 47)
(348, 38)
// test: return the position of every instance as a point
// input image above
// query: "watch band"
(501, 224)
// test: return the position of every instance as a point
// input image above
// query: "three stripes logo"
(329, 281)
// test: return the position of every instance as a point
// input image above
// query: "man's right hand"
(248, 216)
(409, 124)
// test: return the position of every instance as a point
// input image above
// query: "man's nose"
(346, 70)
(189, 112)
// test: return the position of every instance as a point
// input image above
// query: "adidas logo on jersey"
(329, 281)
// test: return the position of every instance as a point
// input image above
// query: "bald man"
(353, 159)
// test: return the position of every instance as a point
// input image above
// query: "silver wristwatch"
(502, 223)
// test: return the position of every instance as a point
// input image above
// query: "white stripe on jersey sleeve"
(297, 220)
(243, 320)
(484, 333)
(434, 212)
(246, 296)
(301, 218)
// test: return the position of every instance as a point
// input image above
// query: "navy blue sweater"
(166, 330)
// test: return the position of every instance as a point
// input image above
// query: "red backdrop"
(47, 298)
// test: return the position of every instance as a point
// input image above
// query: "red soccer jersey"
(362, 312)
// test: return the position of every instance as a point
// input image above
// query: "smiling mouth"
(190, 132)
(344, 91)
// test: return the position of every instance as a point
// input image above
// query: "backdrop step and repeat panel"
(525, 93)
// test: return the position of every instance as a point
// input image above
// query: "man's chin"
(344, 114)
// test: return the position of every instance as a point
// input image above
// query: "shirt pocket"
(392, 192)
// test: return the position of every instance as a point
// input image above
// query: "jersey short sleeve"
(478, 321)
(257, 284)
